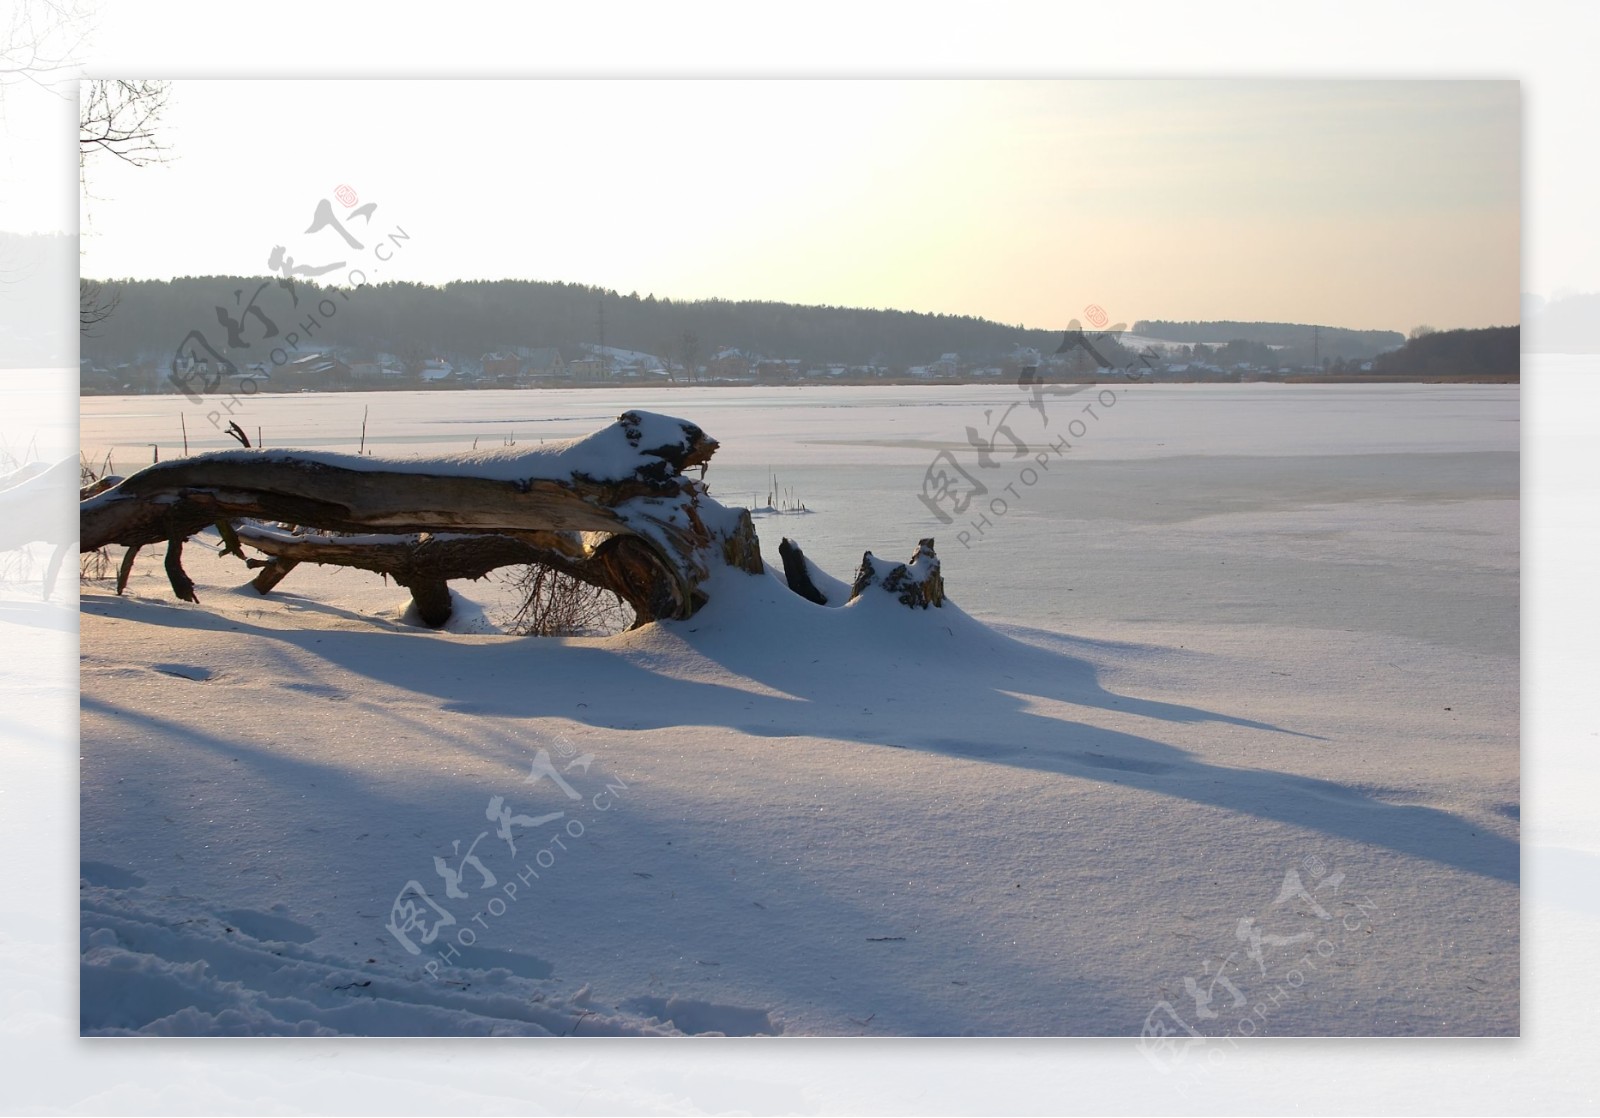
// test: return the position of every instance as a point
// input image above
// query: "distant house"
(947, 365)
(315, 370)
(543, 363)
(729, 364)
(437, 368)
(769, 371)
(610, 362)
(500, 366)
(641, 370)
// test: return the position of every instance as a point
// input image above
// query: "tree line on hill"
(247, 318)
(1293, 344)
(466, 319)
(1493, 351)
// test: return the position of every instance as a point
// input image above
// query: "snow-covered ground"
(1219, 736)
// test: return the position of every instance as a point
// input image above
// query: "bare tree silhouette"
(121, 117)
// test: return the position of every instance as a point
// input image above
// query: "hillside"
(1301, 341)
(465, 319)
(1496, 351)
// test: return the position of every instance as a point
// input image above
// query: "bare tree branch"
(39, 42)
(121, 117)
(95, 304)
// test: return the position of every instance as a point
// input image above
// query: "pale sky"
(1363, 203)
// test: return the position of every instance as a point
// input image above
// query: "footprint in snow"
(107, 876)
(1122, 764)
(267, 927)
(488, 959)
(184, 671)
(699, 1018)
(320, 690)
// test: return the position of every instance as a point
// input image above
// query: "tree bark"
(623, 517)
(917, 583)
(432, 599)
(796, 574)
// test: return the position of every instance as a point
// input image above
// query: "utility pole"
(605, 363)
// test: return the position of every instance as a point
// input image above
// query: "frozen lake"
(1390, 508)
(1232, 635)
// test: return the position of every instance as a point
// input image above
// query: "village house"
(541, 363)
(729, 364)
(314, 370)
(501, 367)
(770, 371)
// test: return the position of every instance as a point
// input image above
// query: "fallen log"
(620, 564)
(614, 509)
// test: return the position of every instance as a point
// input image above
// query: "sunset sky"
(1363, 203)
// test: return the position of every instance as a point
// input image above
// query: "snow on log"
(917, 583)
(613, 508)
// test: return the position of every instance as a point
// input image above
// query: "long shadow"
(40, 615)
(437, 807)
(898, 678)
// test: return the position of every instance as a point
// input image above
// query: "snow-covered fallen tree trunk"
(614, 509)
(425, 563)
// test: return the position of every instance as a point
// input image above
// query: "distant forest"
(466, 319)
(1331, 341)
(1495, 351)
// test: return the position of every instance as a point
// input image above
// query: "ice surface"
(1160, 684)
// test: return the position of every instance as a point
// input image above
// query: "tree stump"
(796, 574)
(917, 583)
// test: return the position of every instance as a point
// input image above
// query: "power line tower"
(1316, 346)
